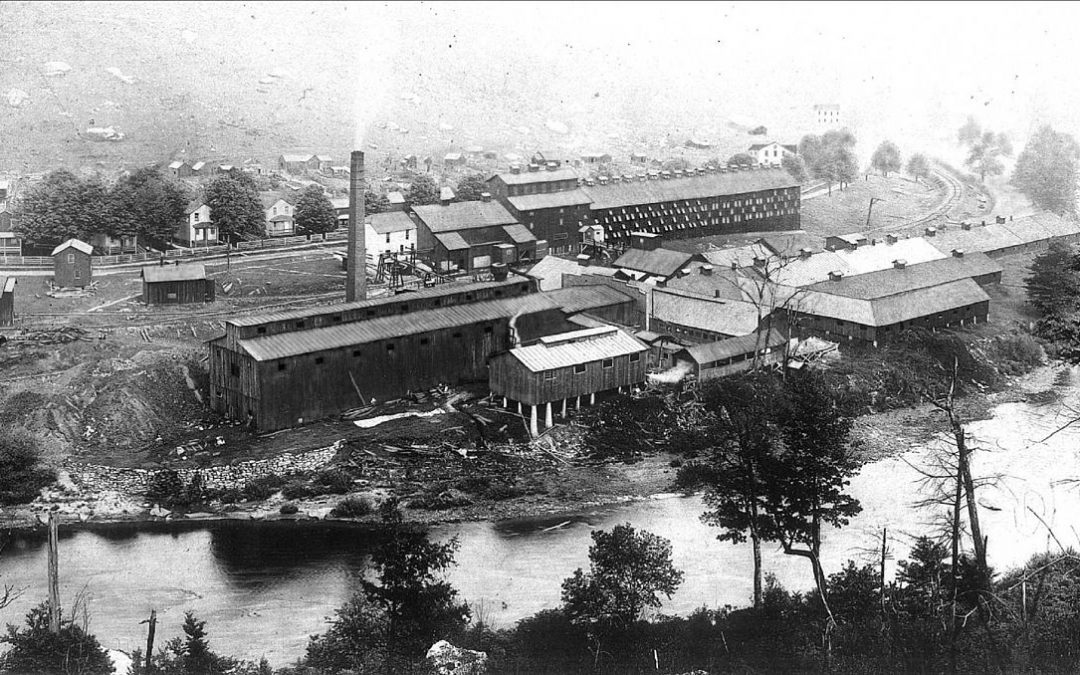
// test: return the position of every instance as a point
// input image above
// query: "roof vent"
(706, 270)
(603, 180)
(965, 225)
(836, 275)
(485, 196)
(534, 167)
(899, 263)
(1000, 220)
(515, 169)
(931, 231)
(551, 166)
(665, 175)
(890, 239)
(716, 292)
(958, 253)
(805, 253)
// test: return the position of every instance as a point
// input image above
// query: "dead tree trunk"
(54, 574)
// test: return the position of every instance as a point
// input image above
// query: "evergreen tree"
(36, 649)
(314, 213)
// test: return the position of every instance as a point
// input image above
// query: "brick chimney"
(356, 270)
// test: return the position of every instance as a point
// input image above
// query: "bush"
(297, 489)
(437, 501)
(226, 495)
(334, 481)
(1016, 354)
(289, 509)
(262, 488)
(353, 507)
(21, 474)
(166, 488)
(36, 650)
(488, 488)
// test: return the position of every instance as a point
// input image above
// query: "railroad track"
(954, 192)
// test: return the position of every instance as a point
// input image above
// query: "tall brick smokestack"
(356, 274)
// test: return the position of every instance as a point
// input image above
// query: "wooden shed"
(567, 366)
(176, 284)
(71, 264)
(7, 301)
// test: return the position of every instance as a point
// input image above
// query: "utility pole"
(54, 574)
(870, 210)
(150, 639)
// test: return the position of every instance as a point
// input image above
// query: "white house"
(279, 214)
(198, 229)
(771, 153)
(390, 232)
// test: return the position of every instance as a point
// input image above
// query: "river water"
(263, 587)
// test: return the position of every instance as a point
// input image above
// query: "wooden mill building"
(176, 285)
(7, 301)
(559, 368)
(71, 264)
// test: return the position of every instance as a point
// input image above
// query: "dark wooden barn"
(560, 368)
(71, 264)
(7, 301)
(176, 285)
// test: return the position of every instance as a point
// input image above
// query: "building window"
(549, 375)
(337, 318)
(78, 274)
(319, 360)
(71, 257)
(299, 324)
(424, 341)
(488, 330)
(389, 347)
(356, 353)
(608, 363)
(387, 237)
(234, 370)
(196, 216)
(457, 336)
(261, 330)
(579, 368)
(634, 358)
(281, 366)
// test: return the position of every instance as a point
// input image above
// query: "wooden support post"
(54, 573)
(592, 398)
(564, 408)
(150, 640)
(577, 402)
(548, 422)
(532, 422)
(506, 402)
(519, 407)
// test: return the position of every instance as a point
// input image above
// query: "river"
(263, 587)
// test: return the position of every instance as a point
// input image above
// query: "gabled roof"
(76, 244)
(550, 270)
(519, 234)
(194, 205)
(189, 272)
(892, 309)
(576, 347)
(704, 186)
(324, 158)
(452, 156)
(177, 164)
(867, 258)
(573, 299)
(268, 199)
(541, 176)
(726, 317)
(912, 277)
(463, 215)
(661, 262)
(995, 236)
(452, 241)
(197, 166)
(296, 158)
(446, 193)
(284, 345)
(549, 200)
(390, 221)
(736, 346)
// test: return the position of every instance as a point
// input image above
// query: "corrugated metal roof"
(391, 221)
(438, 291)
(691, 187)
(661, 262)
(284, 345)
(891, 281)
(463, 215)
(189, 272)
(577, 347)
(727, 317)
(76, 244)
(549, 200)
(542, 176)
(519, 234)
(736, 346)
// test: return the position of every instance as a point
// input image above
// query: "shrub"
(166, 488)
(353, 507)
(226, 495)
(289, 509)
(437, 501)
(297, 489)
(334, 481)
(1016, 354)
(21, 474)
(36, 650)
(262, 488)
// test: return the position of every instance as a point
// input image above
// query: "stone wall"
(95, 477)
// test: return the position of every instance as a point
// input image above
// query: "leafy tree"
(795, 166)
(22, 473)
(397, 616)
(886, 158)
(62, 207)
(759, 131)
(149, 205)
(970, 132)
(423, 190)
(831, 157)
(314, 213)
(811, 149)
(469, 188)
(235, 208)
(1053, 288)
(627, 571)
(375, 202)
(984, 154)
(741, 439)
(918, 166)
(742, 159)
(806, 482)
(1047, 170)
(35, 649)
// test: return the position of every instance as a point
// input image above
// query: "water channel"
(263, 587)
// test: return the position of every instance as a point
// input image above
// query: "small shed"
(7, 301)
(71, 264)
(567, 366)
(176, 285)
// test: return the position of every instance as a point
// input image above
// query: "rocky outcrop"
(446, 659)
